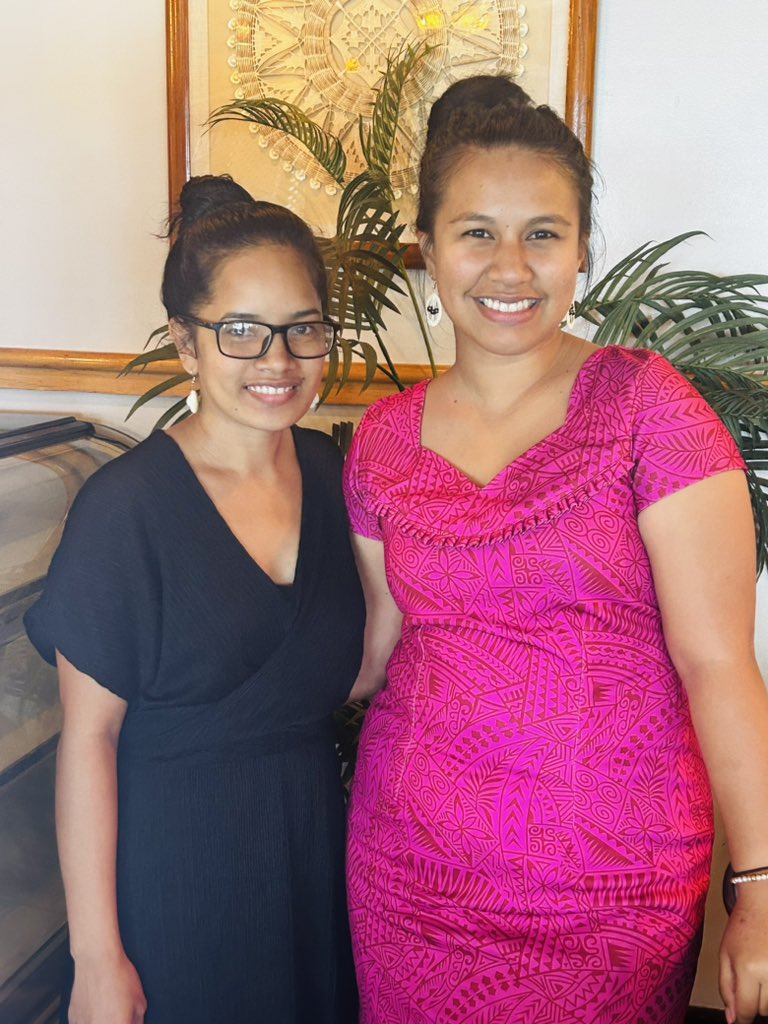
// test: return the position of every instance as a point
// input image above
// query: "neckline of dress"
(420, 395)
(285, 589)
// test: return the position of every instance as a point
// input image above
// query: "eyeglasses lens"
(248, 340)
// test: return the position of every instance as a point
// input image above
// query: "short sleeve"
(362, 518)
(98, 606)
(678, 438)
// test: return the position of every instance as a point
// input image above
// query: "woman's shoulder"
(627, 377)
(625, 363)
(396, 417)
(134, 478)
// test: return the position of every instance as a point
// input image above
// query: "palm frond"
(156, 391)
(364, 260)
(178, 411)
(287, 117)
(713, 329)
(690, 317)
(378, 140)
(732, 395)
(155, 355)
(633, 269)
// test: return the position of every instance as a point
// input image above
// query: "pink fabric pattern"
(531, 824)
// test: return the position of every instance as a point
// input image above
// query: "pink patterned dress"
(531, 822)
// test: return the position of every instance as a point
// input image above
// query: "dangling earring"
(570, 316)
(314, 403)
(192, 400)
(433, 307)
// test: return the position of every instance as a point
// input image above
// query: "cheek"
(315, 373)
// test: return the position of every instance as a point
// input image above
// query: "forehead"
(508, 176)
(265, 266)
(265, 280)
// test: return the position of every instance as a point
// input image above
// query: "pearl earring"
(192, 400)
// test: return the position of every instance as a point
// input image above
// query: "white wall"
(83, 171)
(680, 139)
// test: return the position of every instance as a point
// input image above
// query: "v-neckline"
(426, 452)
(287, 590)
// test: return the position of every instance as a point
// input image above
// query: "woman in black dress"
(206, 618)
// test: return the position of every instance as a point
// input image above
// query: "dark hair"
(490, 111)
(218, 218)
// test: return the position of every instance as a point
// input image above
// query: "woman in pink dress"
(556, 540)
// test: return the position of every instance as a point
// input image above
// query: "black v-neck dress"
(230, 868)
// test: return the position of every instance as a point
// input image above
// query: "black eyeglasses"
(248, 339)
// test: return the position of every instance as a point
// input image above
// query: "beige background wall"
(680, 139)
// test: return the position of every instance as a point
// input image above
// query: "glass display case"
(43, 463)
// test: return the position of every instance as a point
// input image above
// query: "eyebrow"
(298, 315)
(483, 218)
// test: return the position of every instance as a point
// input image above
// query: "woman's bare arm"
(383, 619)
(107, 989)
(702, 550)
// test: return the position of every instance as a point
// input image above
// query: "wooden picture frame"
(582, 32)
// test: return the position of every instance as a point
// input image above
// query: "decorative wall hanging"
(326, 56)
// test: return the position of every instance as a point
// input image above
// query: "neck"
(499, 382)
(224, 447)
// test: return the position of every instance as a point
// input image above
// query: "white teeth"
(267, 389)
(507, 307)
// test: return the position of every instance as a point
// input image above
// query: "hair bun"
(480, 91)
(207, 192)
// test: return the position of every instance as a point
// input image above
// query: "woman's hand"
(744, 956)
(107, 991)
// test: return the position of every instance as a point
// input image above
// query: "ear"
(184, 340)
(425, 244)
(584, 255)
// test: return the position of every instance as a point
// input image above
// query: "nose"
(510, 261)
(277, 353)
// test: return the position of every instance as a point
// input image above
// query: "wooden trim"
(177, 88)
(580, 83)
(582, 41)
(99, 373)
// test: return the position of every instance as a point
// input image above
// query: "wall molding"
(99, 373)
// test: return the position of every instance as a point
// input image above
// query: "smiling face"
(269, 283)
(506, 250)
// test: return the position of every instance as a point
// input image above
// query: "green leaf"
(158, 389)
(378, 143)
(156, 355)
(287, 117)
(332, 370)
(178, 411)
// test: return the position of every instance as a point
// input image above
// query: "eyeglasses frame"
(216, 325)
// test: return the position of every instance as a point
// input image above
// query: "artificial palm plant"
(713, 329)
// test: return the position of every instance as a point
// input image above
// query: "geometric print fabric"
(530, 828)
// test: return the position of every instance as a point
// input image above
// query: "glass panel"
(42, 467)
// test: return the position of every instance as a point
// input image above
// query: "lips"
(520, 306)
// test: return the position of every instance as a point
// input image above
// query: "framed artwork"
(326, 56)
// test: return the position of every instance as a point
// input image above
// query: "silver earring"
(314, 403)
(433, 307)
(192, 400)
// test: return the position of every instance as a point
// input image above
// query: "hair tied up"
(205, 194)
(480, 91)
